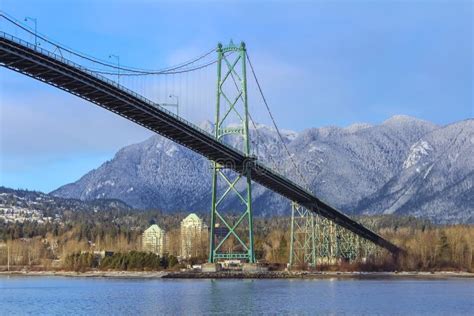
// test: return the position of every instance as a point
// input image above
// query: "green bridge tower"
(231, 237)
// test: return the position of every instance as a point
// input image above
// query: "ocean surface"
(104, 296)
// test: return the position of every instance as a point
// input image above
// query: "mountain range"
(404, 166)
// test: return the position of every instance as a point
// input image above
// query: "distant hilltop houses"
(193, 235)
(22, 210)
(22, 215)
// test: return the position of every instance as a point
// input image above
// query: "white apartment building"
(153, 240)
(192, 236)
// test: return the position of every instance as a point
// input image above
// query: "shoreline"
(243, 275)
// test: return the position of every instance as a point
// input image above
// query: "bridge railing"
(59, 58)
(105, 79)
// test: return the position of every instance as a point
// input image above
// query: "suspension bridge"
(317, 228)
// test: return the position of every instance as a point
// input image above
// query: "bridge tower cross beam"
(232, 103)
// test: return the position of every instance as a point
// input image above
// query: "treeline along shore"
(73, 242)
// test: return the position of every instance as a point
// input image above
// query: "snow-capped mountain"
(404, 165)
(436, 181)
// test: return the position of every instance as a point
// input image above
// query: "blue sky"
(321, 63)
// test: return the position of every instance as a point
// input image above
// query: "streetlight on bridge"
(176, 105)
(35, 21)
(118, 66)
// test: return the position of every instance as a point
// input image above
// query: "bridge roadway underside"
(34, 62)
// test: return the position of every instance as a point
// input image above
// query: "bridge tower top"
(232, 100)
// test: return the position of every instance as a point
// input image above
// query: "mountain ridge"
(361, 169)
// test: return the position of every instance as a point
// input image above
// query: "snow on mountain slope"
(404, 165)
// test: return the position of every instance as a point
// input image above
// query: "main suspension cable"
(274, 163)
(177, 71)
(167, 70)
(276, 126)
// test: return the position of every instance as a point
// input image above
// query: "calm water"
(81, 296)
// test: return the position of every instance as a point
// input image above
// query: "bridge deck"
(42, 65)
